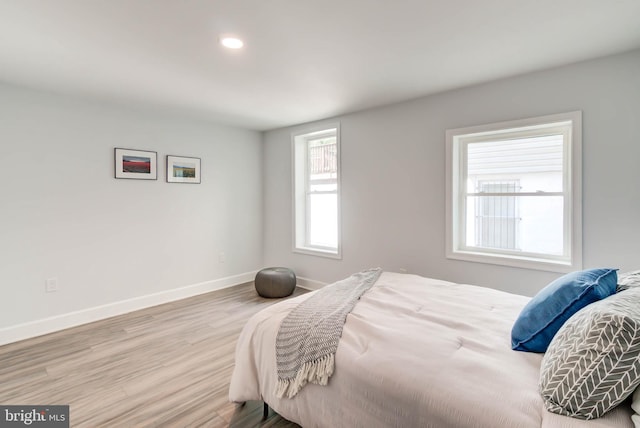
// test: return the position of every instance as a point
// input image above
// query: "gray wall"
(393, 175)
(63, 214)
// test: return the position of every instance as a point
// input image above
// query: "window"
(514, 191)
(316, 161)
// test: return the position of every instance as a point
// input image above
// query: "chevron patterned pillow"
(593, 362)
(628, 280)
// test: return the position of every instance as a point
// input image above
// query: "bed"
(414, 352)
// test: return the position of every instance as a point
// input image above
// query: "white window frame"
(301, 218)
(570, 124)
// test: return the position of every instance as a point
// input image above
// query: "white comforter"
(415, 352)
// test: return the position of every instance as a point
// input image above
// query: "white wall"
(393, 175)
(106, 240)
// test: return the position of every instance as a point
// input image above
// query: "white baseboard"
(309, 284)
(72, 319)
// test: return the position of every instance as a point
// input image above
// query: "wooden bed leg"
(265, 411)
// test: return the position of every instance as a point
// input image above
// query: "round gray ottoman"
(275, 282)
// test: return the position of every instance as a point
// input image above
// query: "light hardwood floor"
(168, 365)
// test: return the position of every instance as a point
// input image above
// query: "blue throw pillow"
(543, 316)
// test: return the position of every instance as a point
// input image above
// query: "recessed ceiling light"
(231, 42)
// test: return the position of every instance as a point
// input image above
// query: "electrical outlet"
(222, 257)
(51, 285)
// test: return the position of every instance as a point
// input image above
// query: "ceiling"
(303, 59)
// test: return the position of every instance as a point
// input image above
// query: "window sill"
(513, 261)
(317, 252)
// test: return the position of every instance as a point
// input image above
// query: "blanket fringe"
(317, 371)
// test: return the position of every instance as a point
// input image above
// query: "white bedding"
(415, 352)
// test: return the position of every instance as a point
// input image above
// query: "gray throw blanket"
(308, 337)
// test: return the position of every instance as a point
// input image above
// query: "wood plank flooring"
(165, 366)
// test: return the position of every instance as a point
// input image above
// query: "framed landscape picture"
(136, 164)
(182, 169)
